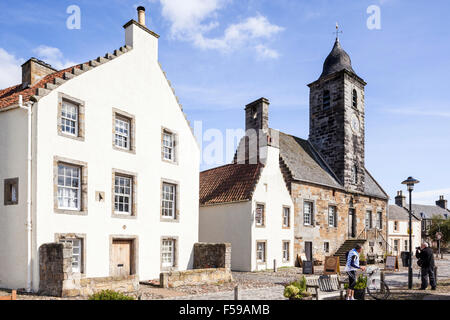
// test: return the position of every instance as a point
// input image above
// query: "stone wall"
(57, 278)
(212, 255)
(195, 277)
(321, 232)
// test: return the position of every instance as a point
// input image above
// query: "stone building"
(107, 163)
(249, 206)
(426, 213)
(398, 227)
(337, 202)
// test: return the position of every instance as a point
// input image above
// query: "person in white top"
(351, 267)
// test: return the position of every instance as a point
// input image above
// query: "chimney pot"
(141, 15)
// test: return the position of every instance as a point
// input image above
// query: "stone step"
(42, 91)
(50, 86)
(77, 72)
(85, 67)
(68, 75)
(101, 60)
(58, 81)
(93, 63)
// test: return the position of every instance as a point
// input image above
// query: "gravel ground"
(267, 285)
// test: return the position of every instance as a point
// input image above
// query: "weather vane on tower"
(337, 31)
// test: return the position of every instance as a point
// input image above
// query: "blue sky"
(222, 54)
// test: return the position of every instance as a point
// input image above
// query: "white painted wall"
(235, 223)
(13, 164)
(276, 196)
(402, 234)
(134, 83)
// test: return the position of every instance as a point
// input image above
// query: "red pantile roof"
(230, 183)
(10, 96)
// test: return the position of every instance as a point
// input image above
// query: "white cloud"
(10, 70)
(266, 53)
(53, 56)
(193, 20)
(430, 197)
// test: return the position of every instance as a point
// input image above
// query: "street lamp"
(410, 182)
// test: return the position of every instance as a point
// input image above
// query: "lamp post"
(410, 182)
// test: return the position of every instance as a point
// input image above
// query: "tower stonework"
(337, 126)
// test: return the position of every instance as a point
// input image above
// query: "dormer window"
(326, 100)
(355, 99)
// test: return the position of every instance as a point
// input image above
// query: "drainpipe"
(28, 108)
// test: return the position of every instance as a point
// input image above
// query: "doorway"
(352, 223)
(122, 258)
(309, 251)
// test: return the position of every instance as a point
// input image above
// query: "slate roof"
(306, 165)
(399, 213)
(337, 60)
(428, 212)
(229, 183)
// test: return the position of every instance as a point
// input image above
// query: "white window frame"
(261, 251)
(168, 146)
(120, 182)
(380, 220)
(406, 245)
(396, 245)
(65, 119)
(168, 253)
(260, 218)
(77, 257)
(308, 216)
(332, 216)
(286, 251)
(286, 217)
(70, 188)
(169, 201)
(369, 220)
(124, 137)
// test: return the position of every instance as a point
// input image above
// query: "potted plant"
(360, 288)
(297, 290)
(362, 259)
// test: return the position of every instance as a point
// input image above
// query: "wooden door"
(352, 223)
(308, 251)
(121, 258)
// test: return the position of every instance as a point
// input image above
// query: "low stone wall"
(57, 278)
(212, 255)
(195, 277)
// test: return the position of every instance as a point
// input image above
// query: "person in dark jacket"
(425, 255)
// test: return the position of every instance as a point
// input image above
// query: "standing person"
(351, 267)
(426, 258)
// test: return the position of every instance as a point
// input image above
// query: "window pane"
(68, 187)
(123, 193)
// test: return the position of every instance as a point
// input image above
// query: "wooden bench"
(13, 296)
(325, 287)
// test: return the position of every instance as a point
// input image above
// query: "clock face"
(355, 123)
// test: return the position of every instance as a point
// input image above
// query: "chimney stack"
(400, 199)
(257, 115)
(141, 15)
(442, 202)
(34, 70)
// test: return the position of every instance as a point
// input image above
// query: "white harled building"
(107, 162)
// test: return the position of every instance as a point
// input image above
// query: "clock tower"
(337, 119)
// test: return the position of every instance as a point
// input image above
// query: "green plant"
(109, 295)
(296, 290)
(361, 283)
